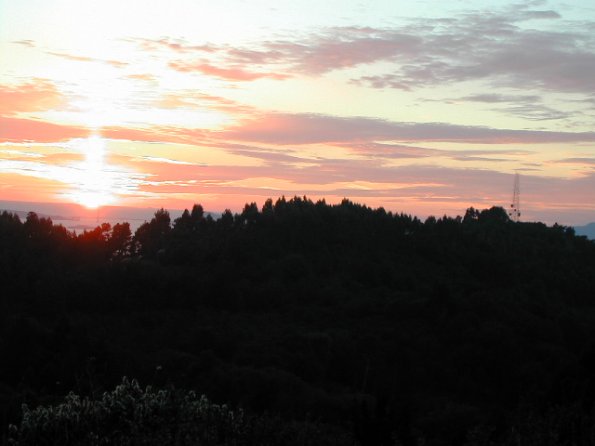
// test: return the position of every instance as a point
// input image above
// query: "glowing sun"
(91, 178)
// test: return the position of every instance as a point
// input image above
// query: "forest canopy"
(380, 327)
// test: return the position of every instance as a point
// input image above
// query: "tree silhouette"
(150, 238)
(450, 331)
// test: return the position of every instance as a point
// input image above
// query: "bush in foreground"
(131, 415)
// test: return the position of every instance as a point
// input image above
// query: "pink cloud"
(384, 150)
(335, 48)
(314, 128)
(492, 46)
(359, 134)
(580, 161)
(345, 47)
(417, 189)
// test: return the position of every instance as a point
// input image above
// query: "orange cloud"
(176, 45)
(113, 63)
(235, 73)
(29, 188)
(40, 94)
(141, 77)
(153, 134)
(194, 99)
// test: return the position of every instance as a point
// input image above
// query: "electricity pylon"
(515, 208)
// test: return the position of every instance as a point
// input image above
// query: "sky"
(425, 107)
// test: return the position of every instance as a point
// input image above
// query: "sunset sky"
(424, 107)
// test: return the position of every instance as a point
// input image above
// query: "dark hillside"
(376, 325)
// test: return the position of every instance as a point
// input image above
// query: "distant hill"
(587, 230)
(72, 211)
(76, 217)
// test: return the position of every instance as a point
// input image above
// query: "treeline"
(388, 329)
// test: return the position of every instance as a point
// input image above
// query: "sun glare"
(93, 183)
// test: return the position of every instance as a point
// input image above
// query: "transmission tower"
(515, 208)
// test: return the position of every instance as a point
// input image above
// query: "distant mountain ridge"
(587, 230)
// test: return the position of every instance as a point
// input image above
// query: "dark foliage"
(130, 415)
(469, 330)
